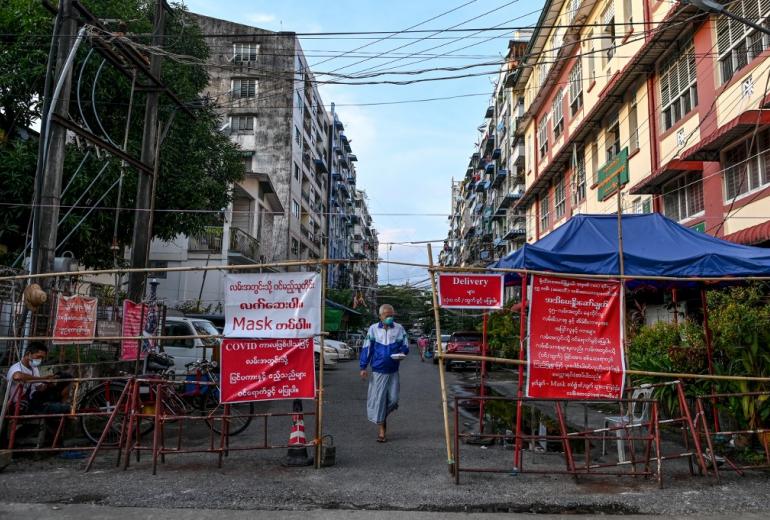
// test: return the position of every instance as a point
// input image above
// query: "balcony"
(490, 111)
(243, 245)
(517, 154)
(496, 153)
(499, 178)
(518, 231)
(209, 241)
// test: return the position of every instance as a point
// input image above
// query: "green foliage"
(413, 305)
(503, 333)
(197, 163)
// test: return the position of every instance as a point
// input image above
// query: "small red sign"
(266, 370)
(470, 291)
(575, 339)
(133, 316)
(75, 320)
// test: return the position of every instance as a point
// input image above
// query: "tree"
(198, 164)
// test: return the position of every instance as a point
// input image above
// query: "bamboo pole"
(672, 375)
(320, 397)
(441, 367)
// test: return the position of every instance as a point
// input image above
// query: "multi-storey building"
(271, 108)
(667, 99)
(483, 225)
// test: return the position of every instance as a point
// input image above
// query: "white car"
(330, 354)
(188, 350)
(343, 350)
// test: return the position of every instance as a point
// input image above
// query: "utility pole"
(142, 235)
(52, 143)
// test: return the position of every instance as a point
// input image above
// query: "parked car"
(434, 346)
(344, 352)
(188, 350)
(464, 342)
(330, 354)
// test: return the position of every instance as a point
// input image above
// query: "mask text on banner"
(266, 369)
(274, 305)
(575, 339)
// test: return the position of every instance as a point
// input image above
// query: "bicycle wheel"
(102, 400)
(240, 414)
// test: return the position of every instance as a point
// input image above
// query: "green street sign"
(610, 173)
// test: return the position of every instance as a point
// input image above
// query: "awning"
(751, 235)
(654, 183)
(709, 147)
(266, 185)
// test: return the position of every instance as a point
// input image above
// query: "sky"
(407, 153)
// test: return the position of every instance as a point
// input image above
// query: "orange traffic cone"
(297, 452)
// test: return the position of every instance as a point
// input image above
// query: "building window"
(678, 92)
(633, 126)
(608, 31)
(295, 208)
(297, 136)
(628, 13)
(746, 166)
(242, 124)
(595, 161)
(737, 43)
(560, 199)
(641, 205)
(683, 198)
(578, 176)
(558, 114)
(576, 88)
(244, 88)
(612, 138)
(296, 171)
(294, 247)
(591, 59)
(542, 136)
(300, 103)
(544, 215)
(245, 52)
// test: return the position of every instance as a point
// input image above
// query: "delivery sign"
(266, 369)
(575, 339)
(275, 305)
(470, 291)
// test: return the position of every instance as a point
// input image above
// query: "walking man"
(385, 346)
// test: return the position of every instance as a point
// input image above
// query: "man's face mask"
(388, 321)
(35, 362)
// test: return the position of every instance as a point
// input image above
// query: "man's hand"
(364, 374)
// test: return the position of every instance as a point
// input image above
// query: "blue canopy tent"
(653, 245)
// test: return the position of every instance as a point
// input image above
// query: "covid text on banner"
(134, 316)
(266, 369)
(575, 339)
(275, 305)
(470, 291)
(75, 320)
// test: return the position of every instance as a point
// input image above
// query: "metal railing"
(244, 244)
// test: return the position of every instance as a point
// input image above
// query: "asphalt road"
(408, 473)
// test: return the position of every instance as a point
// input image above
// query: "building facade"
(659, 97)
(270, 106)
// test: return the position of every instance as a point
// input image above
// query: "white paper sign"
(275, 305)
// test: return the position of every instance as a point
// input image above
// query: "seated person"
(36, 398)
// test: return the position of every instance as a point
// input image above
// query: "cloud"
(260, 18)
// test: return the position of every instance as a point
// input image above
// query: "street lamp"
(711, 6)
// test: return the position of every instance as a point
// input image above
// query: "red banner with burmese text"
(266, 369)
(575, 339)
(75, 320)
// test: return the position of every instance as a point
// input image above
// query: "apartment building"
(271, 108)
(658, 96)
(483, 224)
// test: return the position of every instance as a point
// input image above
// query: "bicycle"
(193, 396)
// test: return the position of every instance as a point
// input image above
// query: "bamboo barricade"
(651, 439)
(722, 443)
(441, 366)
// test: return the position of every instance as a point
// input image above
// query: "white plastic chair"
(638, 413)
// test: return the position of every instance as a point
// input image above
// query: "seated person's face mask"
(35, 362)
